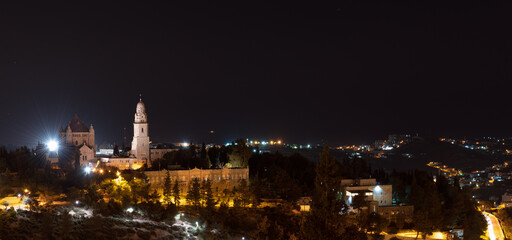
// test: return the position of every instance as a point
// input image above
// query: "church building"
(79, 135)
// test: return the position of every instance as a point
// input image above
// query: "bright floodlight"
(377, 189)
(87, 170)
(52, 145)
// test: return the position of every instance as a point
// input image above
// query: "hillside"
(417, 154)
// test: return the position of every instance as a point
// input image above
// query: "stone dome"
(140, 107)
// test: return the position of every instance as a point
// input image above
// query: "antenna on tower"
(140, 97)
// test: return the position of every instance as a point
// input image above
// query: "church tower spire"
(140, 143)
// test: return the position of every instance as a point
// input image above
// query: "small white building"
(382, 194)
(506, 199)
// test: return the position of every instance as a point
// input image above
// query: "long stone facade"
(221, 179)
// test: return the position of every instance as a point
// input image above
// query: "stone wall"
(225, 178)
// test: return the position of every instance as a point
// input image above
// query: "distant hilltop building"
(79, 135)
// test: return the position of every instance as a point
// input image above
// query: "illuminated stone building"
(140, 143)
(224, 178)
(382, 194)
(379, 198)
(79, 135)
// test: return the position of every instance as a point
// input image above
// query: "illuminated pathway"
(494, 230)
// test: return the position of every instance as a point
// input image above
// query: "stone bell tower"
(140, 143)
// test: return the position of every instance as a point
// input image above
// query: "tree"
(505, 216)
(208, 200)
(176, 192)
(116, 150)
(140, 188)
(154, 197)
(240, 154)
(92, 226)
(422, 223)
(242, 195)
(262, 229)
(256, 190)
(167, 188)
(194, 193)
(359, 201)
(324, 220)
(47, 226)
(213, 156)
(66, 225)
(473, 220)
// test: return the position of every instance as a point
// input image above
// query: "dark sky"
(341, 72)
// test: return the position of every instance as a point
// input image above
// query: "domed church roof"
(77, 125)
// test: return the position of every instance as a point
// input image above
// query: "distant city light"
(52, 145)
(185, 144)
(77, 202)
(88, 170)
(130, 210)
(19, 194)
(377, 188)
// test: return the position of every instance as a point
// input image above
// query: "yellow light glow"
(26, 190)
(136, 166)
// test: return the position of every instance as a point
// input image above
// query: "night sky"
(335, 73)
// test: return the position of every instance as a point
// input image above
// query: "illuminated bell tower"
(140, 143)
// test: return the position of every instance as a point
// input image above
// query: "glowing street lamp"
(52, 145)
(88, 170)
